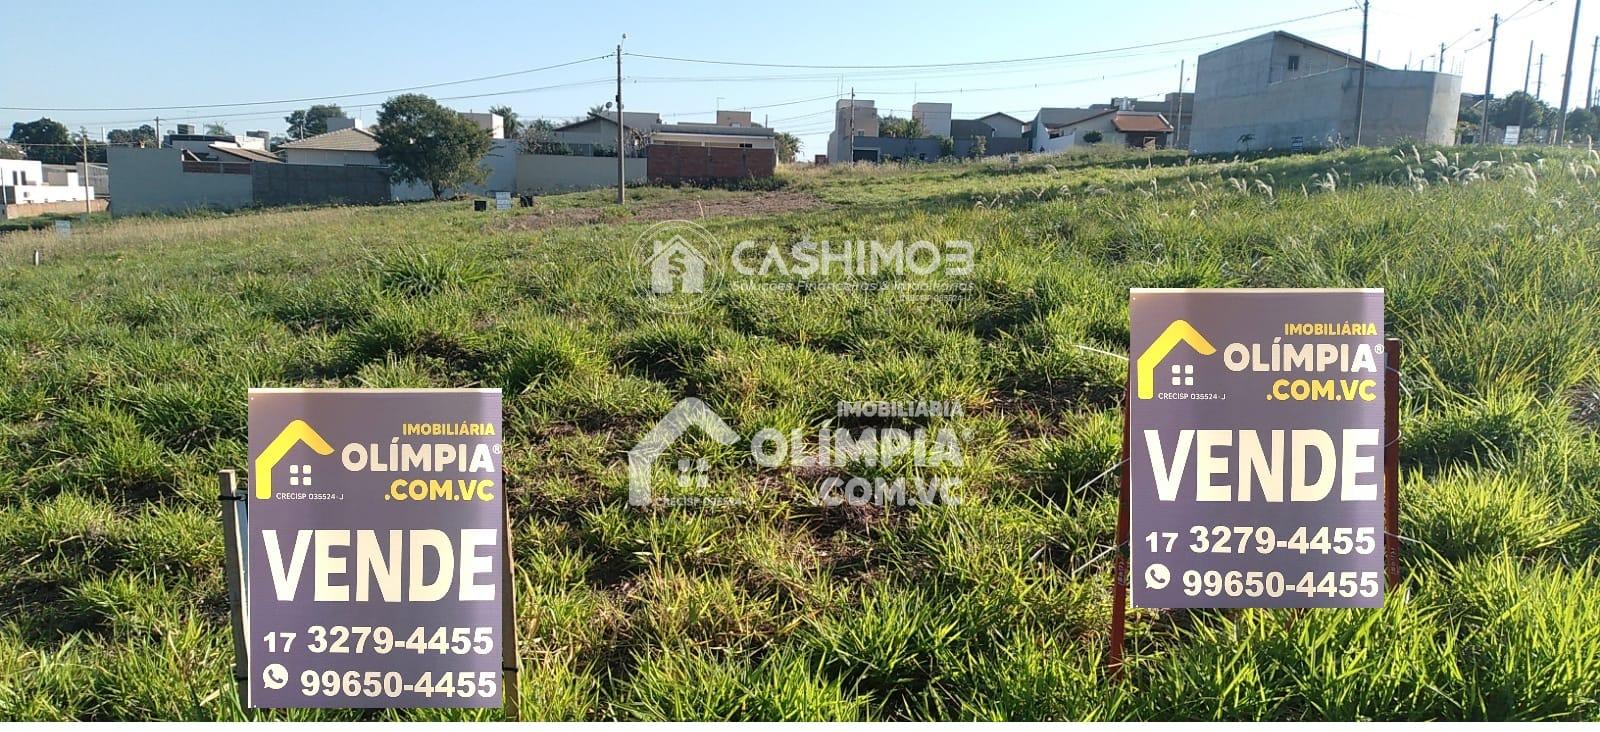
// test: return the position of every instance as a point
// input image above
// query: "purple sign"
(1256, 448)
(374, 548)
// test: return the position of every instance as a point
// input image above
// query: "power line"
(308, 99)
(991, 62)
(264, 113)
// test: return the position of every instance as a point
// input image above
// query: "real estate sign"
(374, 548)
(1513, 134)
(1256, 448)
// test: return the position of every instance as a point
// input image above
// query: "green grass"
(124, 361)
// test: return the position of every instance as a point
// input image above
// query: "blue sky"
(142, 55)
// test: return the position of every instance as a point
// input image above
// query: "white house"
(24, 181)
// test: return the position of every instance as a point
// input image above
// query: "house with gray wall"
(1279, 91)
(599, 131)
(856, 137)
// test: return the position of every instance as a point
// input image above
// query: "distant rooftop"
(350, 138)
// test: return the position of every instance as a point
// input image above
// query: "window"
(1294, 63)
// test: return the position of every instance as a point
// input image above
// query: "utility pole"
(158, 132)
(1527, 76)
(1593, 57)
(1361, 83)
(1566, 82)
(1538, 81)
(1488, 84)
(622, 185)
(850, 139)
(88, 200)
(1441, 58)
(1177, 119)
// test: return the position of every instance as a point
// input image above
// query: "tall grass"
(124, 359)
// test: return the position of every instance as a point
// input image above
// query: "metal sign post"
(510, 659)
(233, 523)
(1293, 539)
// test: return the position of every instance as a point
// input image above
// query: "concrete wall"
(1246, 89)
(537, 174)
(45, 194)
(992, 146)
(152, 180)
(24, 210)
(934, 116)
(681, 163)
(900, 148)
(284, 185)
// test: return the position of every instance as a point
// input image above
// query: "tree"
(143, 134)
(539, 138)
(902, 128)
(599, 110)
(980, 145)
(513, 126)
(788, 146)
(217, 129)
(1583, 123)
(304, 123)
(421, 140)
(1093, 136)
(83, 145)
(1521, 108)
(947, 146)
(9, 151)
(45, 140)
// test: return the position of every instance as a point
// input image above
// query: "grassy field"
(124, 361)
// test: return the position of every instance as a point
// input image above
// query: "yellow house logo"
(299, 474)
(1183, 375)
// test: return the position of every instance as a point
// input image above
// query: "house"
(710, 152)
(356, 145)
(1048, 128)
(1279, 90)
(1004, 125)
(731, 118)
(204, 147)
(491, 123)
(26, 190)
(97, 175)
(855, 136)
(1178, 109)
(598, 133)
(342, 146)
(1059, 128)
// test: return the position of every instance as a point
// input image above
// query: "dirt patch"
(754, 204)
